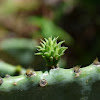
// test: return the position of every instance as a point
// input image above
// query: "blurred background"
(24, 22)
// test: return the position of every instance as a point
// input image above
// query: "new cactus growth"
(51, 51)
(56, 84)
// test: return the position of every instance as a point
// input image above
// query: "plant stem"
(56, 84)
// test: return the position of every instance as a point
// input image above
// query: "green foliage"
(51, 51)
(48, 28)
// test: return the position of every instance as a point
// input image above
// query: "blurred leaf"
(48, 28)
(18, 43)
(21, 49)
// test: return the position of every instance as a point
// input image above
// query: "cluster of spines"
(51, 51)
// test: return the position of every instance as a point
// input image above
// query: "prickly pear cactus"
(54, 84)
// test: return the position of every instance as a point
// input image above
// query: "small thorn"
(30, 72)
(77, 69)
(43, 82)
(96, 61)
(7, 76)
(15, 83)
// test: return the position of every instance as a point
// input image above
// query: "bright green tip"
(51, 51)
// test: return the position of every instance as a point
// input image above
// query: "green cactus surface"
(54, 84)
(51, 51)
